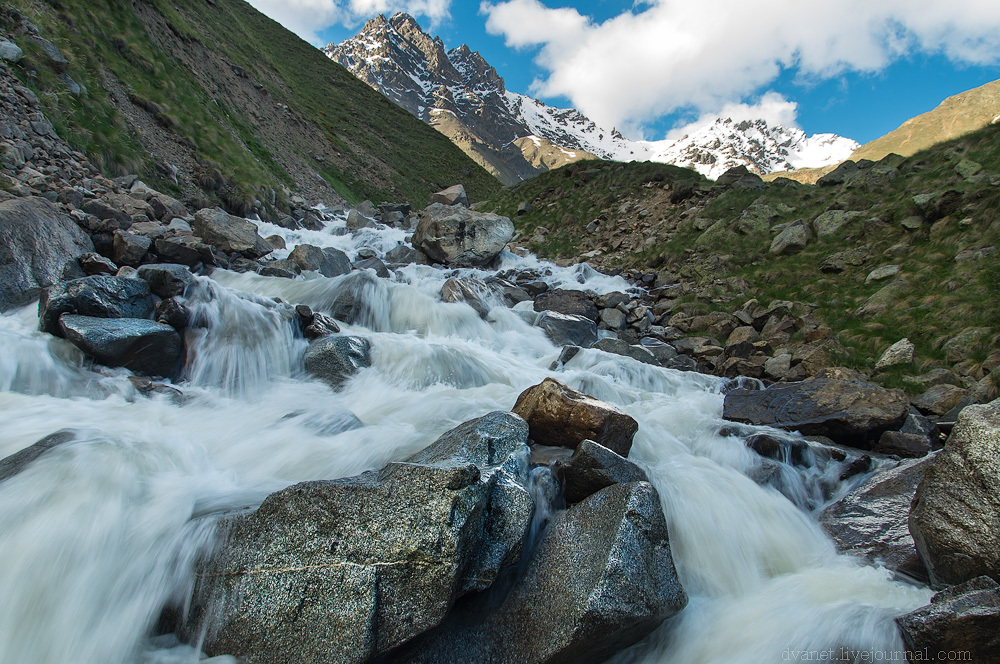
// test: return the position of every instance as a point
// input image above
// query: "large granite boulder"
(329, 262)
(346, 570)
(955, 516)
(141, 346)
(872, 520)
(558, 415)
(454, 195)
(229, 233)
(38, 248)
(98, 296)
(600, 580)
(961, 623)
(848, 412)
(335, 359)
(455, 235)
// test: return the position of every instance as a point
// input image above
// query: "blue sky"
(858, 68)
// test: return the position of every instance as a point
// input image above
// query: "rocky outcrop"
(561, 416)
(961, 622)
(100, 297)
(141, 346)
(335, 359)
(872, 520)
(38, 248)
(601, 579)
(955, 517)
(848, 412)
(464, 238)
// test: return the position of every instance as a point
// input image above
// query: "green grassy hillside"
(241, 105)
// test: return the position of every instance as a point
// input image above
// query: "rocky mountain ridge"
(516, 137)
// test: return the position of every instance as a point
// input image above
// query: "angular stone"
(38, 247)
(141, 346)
(229, 233)
(614, 319)
(792, 239)
(130, 249)
(356, 221)
(901, 352)
(373, 263)
(884, 299)
(166, 279)
(961, 622)
(829, 223)
(955, 516)
(329, 262)
(471, 291)
(567, 330)
(335, 359)
(94, 264)
(451, 196)
(457, 236)
(99, 296)
(623, 348)
(848, 412)
(561, 416)
(904, 445)
(570, 302)
(939, 399)
(593, 467)
(183, 249)
(872, 520)
(882, 273)
(601, 579)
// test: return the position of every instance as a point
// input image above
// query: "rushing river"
(97, 535)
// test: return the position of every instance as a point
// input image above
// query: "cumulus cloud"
(666, 55)
(307, 18)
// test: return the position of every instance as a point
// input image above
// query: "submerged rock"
(335, 359)
(142, 346)
(98, 296)
(561, 416)
(601, 579)
(329, 262)
(955, 517)
(848, 412)
(17, 462)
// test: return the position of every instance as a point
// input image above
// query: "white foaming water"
(101, 532)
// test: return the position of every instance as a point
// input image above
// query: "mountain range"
(516, 137)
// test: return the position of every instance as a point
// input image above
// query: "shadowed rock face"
(848, 412)
(601, 579)
(955, 517)
(561, 416)
(100, 296)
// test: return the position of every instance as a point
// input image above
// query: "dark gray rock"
(100, 296)
(619, 347)
(38, 247)
(955, 516)
(17, 462)
(166, 279)
(471, 291)
(458, 236)
(403, 255)
(871, 521)
(848, 412)
(601, 579)
(130, 249)
(344, 570)
(904, 445)
(961, 622)
(229, 233)
(571, 302)
(141, 346)
(184, 250)
(373, 263)
(335, 359)
(329, 262)
(593, 467)
(172, 312)
(567, 330)
(93, 264)
(315, 325)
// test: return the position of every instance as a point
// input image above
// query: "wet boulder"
(571, 302)
(567, 329)
(558, 415)
(593, 467)
(457, 236)
(166, 279)
(955, 516)
(38, 247)
(329, 262)
(473, 292)
(623, 348)
(98, 296)
(872, 520)
(600, 580)
(335, 359)
(848, 412)
(229, 233)
(961, 622)
(142, 346)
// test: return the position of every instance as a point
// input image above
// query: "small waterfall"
(100, 532)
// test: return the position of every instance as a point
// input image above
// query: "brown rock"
(559, 415)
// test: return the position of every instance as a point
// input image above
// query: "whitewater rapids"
(100, 533)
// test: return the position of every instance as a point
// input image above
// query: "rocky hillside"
(516, 137)
(876, 253)
(215, 101)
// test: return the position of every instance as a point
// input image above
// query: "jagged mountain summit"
(516, 137)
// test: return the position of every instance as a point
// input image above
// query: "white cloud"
(307, 18)
(665, 55)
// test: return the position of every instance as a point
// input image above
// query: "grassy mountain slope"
(236, 103)
(717, 240)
